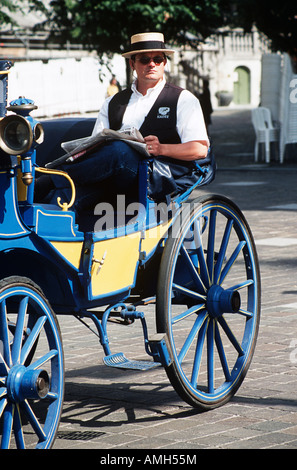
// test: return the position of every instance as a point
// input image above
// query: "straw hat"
(147, 42)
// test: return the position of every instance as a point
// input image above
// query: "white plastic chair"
(265, 131)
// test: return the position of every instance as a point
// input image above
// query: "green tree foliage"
(7, 7)
(275, 18)
(106, 25)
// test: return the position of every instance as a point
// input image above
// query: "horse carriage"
(193, 258)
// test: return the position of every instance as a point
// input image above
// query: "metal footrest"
(120, 361)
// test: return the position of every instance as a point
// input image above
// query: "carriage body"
(80, 269)
(52, 263)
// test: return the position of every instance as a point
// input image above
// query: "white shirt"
(189, 121)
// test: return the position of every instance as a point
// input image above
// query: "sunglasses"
(146, 60)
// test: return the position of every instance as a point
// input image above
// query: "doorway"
(242, 87)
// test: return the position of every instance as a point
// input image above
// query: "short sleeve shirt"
(190, 121)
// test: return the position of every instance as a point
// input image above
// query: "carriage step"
(119, 360)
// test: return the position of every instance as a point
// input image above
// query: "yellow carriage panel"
(153, 236)
(71, 251)
(114, 264)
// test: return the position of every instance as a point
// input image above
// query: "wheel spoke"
(221, 353)
(211, 243)
(187, 313)
(223, 249)
(4, 337)
(198, 354)
(3, 403)
(232, 260)
(30, 341)
(190, 338)
(188, 292)
(33, 420)
(245, 313)
(42, 360)
(7, 425)
(210, 356)
(230, 335)
(19, 331)
(18, 430)
(3, 366)
(242, 285)
(193, 271)
(202, 262)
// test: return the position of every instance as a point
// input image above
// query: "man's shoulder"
(185, 97)
(188, 96)
(121, 97)
(173, 86)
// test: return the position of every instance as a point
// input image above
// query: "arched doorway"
(242, 87)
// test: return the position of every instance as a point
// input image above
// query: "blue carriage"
(194, 259)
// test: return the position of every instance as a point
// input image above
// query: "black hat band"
(142, 45)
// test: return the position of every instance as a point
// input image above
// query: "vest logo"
(163, 112)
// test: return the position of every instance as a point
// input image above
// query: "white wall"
(63, 86)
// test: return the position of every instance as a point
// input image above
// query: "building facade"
(231, 61)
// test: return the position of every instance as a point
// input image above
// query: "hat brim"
(129, 54)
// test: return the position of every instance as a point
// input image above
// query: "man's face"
(147, 69)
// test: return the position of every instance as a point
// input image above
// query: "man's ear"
(131, 62)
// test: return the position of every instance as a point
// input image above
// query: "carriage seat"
(61, 130)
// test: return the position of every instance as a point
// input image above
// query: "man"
(151, 81)
(170, 120)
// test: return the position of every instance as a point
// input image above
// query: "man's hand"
(153, 145)
(186, 151)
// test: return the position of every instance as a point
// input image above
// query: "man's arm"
(186, 151)
(102, 120)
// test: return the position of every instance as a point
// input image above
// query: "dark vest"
(160, 121)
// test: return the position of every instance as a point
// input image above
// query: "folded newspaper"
(80, 147)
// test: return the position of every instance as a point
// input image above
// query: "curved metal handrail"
(64, 205)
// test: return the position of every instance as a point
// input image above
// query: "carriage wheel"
(31, 367)
(208, 301)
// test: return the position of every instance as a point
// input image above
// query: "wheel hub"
(221, 301)
(23, 383)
